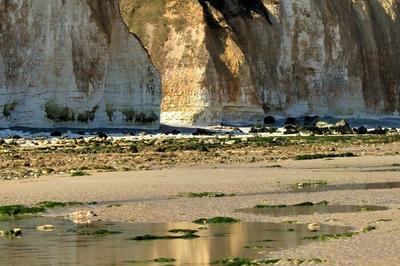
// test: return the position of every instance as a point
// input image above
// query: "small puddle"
(357, 186)
(65, 246)
(310, 210)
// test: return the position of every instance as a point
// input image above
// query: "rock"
(203, 131)
(46, 227)
(310, 121)
(379, 131)
(322, 124)
(314, 227)
(74, 64)
(16, 232)
(102, 135)
(56, 133)
(230, 142)
(269, 120)
(343, 127)
(291, 121)
(291, 130)
(81, 217)
(362, 130)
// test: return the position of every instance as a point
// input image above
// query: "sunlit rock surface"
(233, 61)
(73, 63)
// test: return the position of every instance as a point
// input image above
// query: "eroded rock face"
(233, 61)
(73, 63)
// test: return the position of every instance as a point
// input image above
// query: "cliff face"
(233, 61)
(73, 63)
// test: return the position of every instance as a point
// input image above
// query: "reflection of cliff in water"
(218, 241)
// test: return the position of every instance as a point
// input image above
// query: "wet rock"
(230, 142)
(263, 129)
(269, 120)
(379, 131)
(322, 124)
(291, 129)
(16, 137)
(46, 227)
(291, 121)
(361, 130)
(16, 232)
(203, 131)
(343, 127)
(314, 227)
(56, 133)
(102, 135)
(310, 121)
(81, 217)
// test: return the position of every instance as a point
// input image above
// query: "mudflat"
(171, 195)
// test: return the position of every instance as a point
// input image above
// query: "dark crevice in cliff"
(244, 8)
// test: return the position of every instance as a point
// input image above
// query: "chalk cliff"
(73, 63)
(233, 61)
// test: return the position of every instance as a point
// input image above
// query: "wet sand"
(151, 196)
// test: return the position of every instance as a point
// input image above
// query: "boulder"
(269, 120)
(291, 121)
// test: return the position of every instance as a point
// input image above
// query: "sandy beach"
(153, 196)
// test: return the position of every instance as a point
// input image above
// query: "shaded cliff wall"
(235, 61)
(73, 63)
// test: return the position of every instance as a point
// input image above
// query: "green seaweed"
(325, 237)
(164, 260)
(205, 195)
(15, 210)
(302, 204)
(79, 173)
(183, 231)
(165, 237)
(323, 156)
(216, 220)
(55, 204)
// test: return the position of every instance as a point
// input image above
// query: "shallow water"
(310, 210)
(356, 186)
(62, 246)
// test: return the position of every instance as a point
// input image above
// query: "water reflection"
(356, 186)
(310, 210)
(217, 242)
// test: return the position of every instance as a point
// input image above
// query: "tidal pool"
(310, 210)
(67, 244)
(356, 186)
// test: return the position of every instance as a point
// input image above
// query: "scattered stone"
(102, 135)
(379, 131)
(46, 227)
(314, 227)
